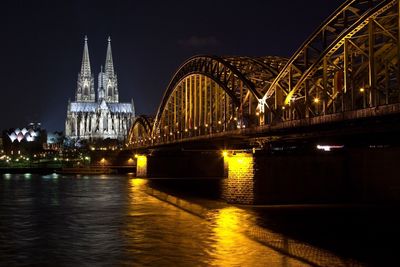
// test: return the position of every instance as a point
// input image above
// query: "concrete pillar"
(141, 166)
(238, 185)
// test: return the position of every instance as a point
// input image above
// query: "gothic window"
(85, 90)
(105, 123)
(109, 91)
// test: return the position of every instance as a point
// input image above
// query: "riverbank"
(245, 224)
(35, 170)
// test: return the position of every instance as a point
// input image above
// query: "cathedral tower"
(108, 84)
(85, 85)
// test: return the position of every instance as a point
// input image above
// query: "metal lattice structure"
(351, 62)
(140, 131)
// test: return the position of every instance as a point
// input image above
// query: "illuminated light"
(328, 147)
(130, 160)
(87, 158)
(362, 90)
(103, 160)
(170, 133)
(224, 153)
(136, 156)
(283, 108)
(186, 130)
(55, 159)
(138, 182)
(238, 126)
(316, 100)
(244, 126)
(141, 161)
(178, 132)
(219, 122)
(195, 127)
(257, 113)
(206, 125)
(235, 119)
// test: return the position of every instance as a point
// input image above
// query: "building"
(94, 119)
(26, 141)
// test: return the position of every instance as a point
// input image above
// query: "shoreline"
(296, 249)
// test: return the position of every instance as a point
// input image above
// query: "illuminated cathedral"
(91, 119)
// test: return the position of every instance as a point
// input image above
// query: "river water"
(108, 220)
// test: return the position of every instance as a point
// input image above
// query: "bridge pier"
(353, 175)
(141, 166)
(238, 183)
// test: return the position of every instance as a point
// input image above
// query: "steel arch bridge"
(351, 62)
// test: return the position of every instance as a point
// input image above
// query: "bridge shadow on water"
(320, 235)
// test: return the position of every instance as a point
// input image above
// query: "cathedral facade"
(90, 118)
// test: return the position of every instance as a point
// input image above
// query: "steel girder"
(245, 80)
(140, 131)
(327, 74)
(350, 62)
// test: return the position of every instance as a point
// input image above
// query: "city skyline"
(44, 43)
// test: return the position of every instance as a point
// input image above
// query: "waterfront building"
(28, 140)
(90, 118)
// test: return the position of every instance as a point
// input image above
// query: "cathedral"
(93, 119)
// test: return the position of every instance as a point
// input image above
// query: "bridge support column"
(238, 185)
(141, 166)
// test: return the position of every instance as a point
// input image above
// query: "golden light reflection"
(137, 182)
(233, 248)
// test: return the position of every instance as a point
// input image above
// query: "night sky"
(42, 44)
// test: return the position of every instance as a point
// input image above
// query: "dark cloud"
(197, 41)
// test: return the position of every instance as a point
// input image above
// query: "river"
(107, 220)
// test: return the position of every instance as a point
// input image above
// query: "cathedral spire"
(109, 77)
(85, 68)
(109, 66)
(85, 85)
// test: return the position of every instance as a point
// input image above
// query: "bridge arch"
(350, 62)
(140, 131)
(210, 94)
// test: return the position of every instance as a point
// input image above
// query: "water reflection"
(111, 221)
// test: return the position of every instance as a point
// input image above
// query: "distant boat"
(85, 170)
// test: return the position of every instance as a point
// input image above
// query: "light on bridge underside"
(329, 147)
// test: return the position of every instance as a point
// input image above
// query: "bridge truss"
(351, 62)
